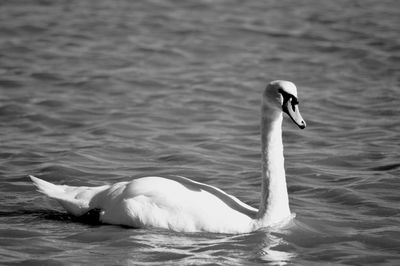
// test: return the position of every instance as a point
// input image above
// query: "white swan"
(181, 204)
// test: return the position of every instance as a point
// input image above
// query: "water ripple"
(98, 92)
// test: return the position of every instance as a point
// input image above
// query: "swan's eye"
(288, 97)
(294, 100)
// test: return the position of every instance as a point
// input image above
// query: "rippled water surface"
(102, 91)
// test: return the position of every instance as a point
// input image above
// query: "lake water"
(95, 92)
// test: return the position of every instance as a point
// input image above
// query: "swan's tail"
(76, 200)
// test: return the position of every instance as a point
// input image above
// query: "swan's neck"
(274, 205)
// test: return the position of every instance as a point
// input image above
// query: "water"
(104, 91)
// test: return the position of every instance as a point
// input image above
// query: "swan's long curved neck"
(274, 205)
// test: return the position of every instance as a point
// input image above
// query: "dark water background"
(104, 91)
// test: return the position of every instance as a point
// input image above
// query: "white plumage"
(180, 204)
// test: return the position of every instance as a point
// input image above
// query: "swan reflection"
(274, 250)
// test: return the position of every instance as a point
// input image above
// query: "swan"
(181, 204)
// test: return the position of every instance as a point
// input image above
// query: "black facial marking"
(288, 97)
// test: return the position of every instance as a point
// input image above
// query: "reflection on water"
(273, 255)
(94, 92)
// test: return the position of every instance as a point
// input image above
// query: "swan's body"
(181, 204)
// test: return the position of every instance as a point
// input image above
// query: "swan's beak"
(291, 107)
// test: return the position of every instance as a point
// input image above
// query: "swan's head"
(281, 95)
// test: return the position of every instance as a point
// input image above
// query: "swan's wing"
(230, 200)
(178, 189)
(176, 203)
